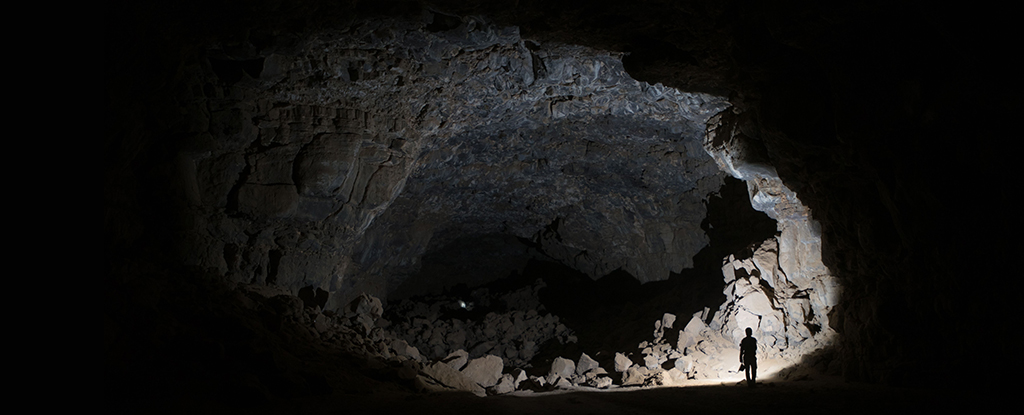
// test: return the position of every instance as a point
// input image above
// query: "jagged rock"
(366, 305)
(457, 359)
(655, 378)
(635, 375)
(321, 323)
(652, 361)
(485, 371)
(403, 349)
(684, 364)
(695, 326)
(562, 367)
(675, 376)
(667, 320)
(622, 362)
(409, 370)
(518, 376)
(585, 365)
(506, 385)
(602, 382)
(442, 374)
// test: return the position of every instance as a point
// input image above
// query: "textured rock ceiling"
(877, 116)
(339, 159)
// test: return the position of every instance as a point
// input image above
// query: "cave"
(317, 206)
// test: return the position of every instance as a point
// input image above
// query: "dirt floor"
(822, 396)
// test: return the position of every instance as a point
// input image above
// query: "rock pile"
(482, 342)
(501, 344)
(441, 325)
(785, 314)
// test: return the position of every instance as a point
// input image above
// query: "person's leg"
(753, 372)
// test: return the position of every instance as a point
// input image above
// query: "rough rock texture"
(439, 327)
(348, 154)
(485, 371)
(270, 146)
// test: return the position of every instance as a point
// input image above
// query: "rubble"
(439, 344)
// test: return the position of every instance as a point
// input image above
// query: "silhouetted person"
(748, 356)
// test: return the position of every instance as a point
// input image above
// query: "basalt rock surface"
(332, 149)
(342, 157)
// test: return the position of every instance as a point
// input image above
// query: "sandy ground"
(823, 396)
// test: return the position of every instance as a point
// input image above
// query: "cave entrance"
(502, 295)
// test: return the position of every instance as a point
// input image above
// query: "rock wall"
(888, 120)
(336, 160)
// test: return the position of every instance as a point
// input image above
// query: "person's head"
(749, 332)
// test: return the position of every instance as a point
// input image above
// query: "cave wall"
(337, 159)
(887, 120)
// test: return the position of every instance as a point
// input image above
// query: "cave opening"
(434, 190)
(606, 314)
(283, 182)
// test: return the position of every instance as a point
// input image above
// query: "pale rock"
(505, 385)
(695, 326)
(622, 362)
(675, 376)
(518, 376)
(444, 375)
(486, 370)
(667, 320)
(586, 364)
(635, 375)
(651, 361)
(757, 303)
(563, 383)
(685, 340)
(562, 367)
(403, 349)
(457, 359)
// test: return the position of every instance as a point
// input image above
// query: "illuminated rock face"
(782, 291)
(340, 161)
(352, 153)
(276, 164)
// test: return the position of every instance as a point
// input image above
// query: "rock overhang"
(368, 140)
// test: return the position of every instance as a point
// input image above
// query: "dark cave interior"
(267, 162)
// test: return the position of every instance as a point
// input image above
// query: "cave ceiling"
(346, 155)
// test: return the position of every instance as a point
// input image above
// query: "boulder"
(667, 320)
(505, 385)
(403, 349)
(563, 383)
(441, 374)
(586, 364)
(622, 362)
(635, 375)
(651, 361)
(600, 382)
(457, 359)
(485, 371)
(366, 305)
(695, 326)
(562, 367)
(518, 376)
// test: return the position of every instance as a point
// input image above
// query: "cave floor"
(829, 396)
